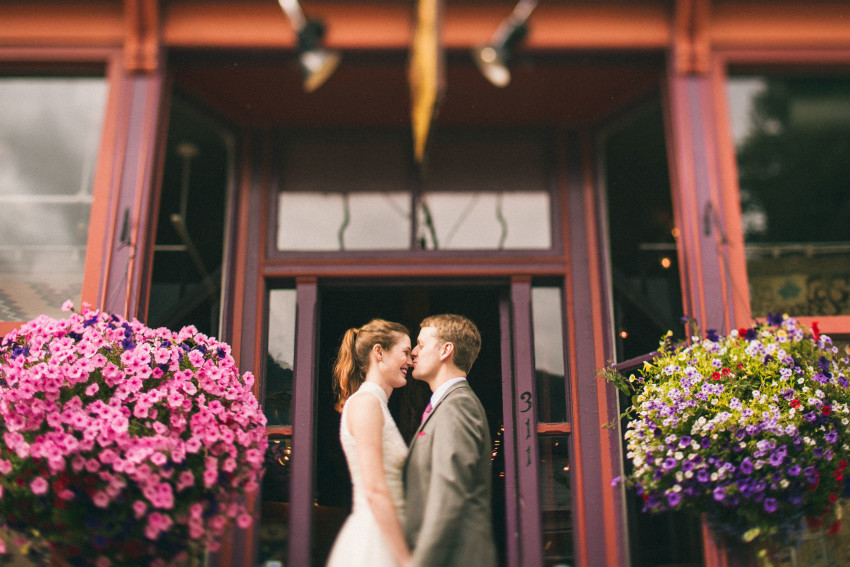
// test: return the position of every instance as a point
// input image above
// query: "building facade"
(170, 160)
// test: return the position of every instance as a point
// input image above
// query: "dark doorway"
(343, 308)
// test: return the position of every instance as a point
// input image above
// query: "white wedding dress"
(360, 542)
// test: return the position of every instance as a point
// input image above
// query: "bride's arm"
(366, 422)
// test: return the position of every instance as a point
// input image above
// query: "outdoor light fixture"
(493, 59)
(317, 63)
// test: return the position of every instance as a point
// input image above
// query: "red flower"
(726, 371)
(834, 528)
(839, 475)
(814, 522)
(815, 330)
(825, 409)
(832, 498)
(795, 403)
(842, 465)
(716, 376)
(742, 331)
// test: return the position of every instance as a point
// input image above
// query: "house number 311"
(525, 400)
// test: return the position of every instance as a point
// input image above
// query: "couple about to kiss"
(429, 503)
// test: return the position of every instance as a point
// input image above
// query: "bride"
(372, 361)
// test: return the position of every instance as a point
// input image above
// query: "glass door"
(528, 497)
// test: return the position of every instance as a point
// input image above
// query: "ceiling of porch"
(261, 89)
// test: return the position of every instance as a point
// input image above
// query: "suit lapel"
(452, 388)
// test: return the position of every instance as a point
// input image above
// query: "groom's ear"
(446, 351)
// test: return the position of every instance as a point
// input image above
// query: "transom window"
(478, 190)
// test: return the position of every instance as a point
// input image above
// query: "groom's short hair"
(459, 331)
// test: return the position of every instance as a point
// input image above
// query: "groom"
(447, 472)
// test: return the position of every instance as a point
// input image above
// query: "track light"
(493, 58)
(317, 63)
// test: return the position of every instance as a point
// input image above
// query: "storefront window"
(50, 131)
(792, 141)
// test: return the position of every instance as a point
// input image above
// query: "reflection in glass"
(547, 319)
(486, 190)
(792, 140)
(555, 501)
(646, 291)
(49, 136)
(485, 220)
(344, 191)
(347, 221)
(274, 521)
(277, 398)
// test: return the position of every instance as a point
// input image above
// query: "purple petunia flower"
(770, 505)
(774, 319)
(794, 470)
(831, 437)
(673, 499)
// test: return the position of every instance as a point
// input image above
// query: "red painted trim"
(88, 22)
(240, 256)
(7, 327)
(279, 430)
(790, 25)
(738, 302)
(448, 269)
(303, 457)
(153, 97)
(554, 429)
(381, 25)
(155, 192)
(528, 453)
(141, 39)
(614, 539)
(578, 492)
(512, 551)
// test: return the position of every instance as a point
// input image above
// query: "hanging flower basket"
(751, 429)
(121, 444)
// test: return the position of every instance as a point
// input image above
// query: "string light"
(666, 262)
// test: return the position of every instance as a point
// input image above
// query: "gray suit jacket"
(447, 485)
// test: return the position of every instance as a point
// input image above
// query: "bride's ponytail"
(352, 361)
(346, 377)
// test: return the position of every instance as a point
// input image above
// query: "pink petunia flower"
(38, 485)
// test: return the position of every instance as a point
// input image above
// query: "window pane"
(49, 135)
(486, 191)
(274, 523)
(277, 401)
(792, 139)
(344, 192)
(346, 221)
(547, 318)
(555, 501)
